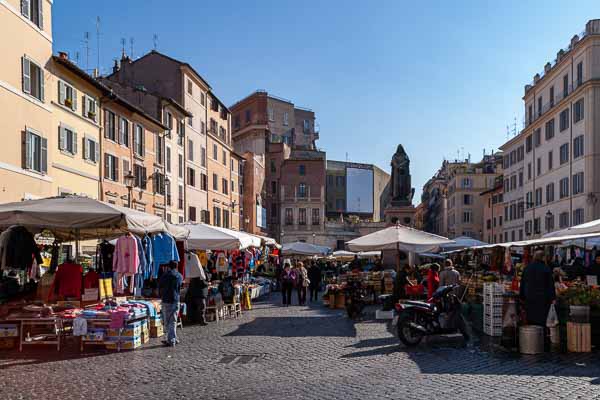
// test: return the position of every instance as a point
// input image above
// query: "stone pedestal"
(400, 214)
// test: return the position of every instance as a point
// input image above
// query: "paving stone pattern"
(295, 353)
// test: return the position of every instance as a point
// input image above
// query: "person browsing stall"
(537, 290)
(170, 287)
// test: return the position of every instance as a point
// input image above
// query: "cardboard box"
(154, 322)
(126, 344)
(9, 330)
(69, 303)
(8, 342)
(156, 331)
(126, 333)
(145, 335)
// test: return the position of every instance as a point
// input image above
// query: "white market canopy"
(208, 237)
(398, 237)
(246, 239)
(369, 254)
(304, 249)
(267, 240)
(343, 254)
(582, 229)
(462, 242)
(74, 217)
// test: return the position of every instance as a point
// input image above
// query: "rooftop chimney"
(63, 55)
(116, 67)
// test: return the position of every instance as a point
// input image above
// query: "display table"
(38, 330)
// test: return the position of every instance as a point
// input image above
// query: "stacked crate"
(388, 283)
(493, 300)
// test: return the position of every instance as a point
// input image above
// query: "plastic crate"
(493, 289)
(493, 309)
(492, 330)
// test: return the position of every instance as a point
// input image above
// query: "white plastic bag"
(552, 319)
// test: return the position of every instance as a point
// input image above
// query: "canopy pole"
(77, 233)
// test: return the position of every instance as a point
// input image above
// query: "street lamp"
(129, 181)
(314, 236)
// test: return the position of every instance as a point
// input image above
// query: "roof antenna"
(86, 45)
(131, 44)
(155, 39)
(123, 48)
(98, 41)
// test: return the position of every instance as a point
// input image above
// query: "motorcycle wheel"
(407, 335)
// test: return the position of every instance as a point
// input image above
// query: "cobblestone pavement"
(295, 353)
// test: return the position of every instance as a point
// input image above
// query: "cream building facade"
(561, 138)
(29, 135)
(509, 224)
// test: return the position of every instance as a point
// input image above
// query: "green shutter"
(74, 142)
(62, 137)
(44, 156)
(26, 75)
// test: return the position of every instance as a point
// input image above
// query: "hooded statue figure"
(400, 181)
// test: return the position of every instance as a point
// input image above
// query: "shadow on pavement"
(296, 327)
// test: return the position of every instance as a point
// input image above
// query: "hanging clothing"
(18, 249)
(67, 281)
(91, 280)
(126, 257)
(104, 257)
(221, 263)
(193, 267)
(147, 245)
(203, 257)
(142, 263)
(79, 326)
(164, 250)
(180, 245)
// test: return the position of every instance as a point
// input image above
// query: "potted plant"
(69, 103)
(91, 115)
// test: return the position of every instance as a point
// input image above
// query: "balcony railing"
(551, 104)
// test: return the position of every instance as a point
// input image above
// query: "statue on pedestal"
(401, 191)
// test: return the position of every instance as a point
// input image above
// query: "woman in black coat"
(195, 299)
(537, 290)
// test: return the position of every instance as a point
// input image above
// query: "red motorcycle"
(441, 315)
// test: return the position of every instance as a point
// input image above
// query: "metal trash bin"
(531, 339)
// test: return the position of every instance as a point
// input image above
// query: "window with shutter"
(26, 66)
(25, 5)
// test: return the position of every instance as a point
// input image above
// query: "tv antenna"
(131, 44)
(77, 55)
(98, 41)
(155, 40)
(123, 42)
(86, 45)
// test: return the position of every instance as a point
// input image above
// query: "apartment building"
(513, 165)
(26, 155)
(302, 198)
(237, 191)
(132, 161)
(220, 165)
(493, 212)
(254, 193)
(465, 205)
(178, 80)
(170, 148)
(271, 128)
(561, 146)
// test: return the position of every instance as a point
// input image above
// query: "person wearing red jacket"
(433, 280)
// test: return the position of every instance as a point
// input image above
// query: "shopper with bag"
(288, 277)
(537, 290)
(302, 282)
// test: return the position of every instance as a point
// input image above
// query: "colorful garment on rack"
(67, 281)
(148, 253)
(142, 264)
(91, 280)
(164, 250)
(181, 254)
(104, 257)
(193, 267)
(126, 255)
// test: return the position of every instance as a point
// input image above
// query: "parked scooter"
(441, 315)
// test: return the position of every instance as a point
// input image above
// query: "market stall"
(67, 289)
(495, 279)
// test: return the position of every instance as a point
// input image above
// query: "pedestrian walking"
(288, 277)
(314, 276)
(169, 287)
(302, 282)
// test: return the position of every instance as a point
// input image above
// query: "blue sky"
(442, 78)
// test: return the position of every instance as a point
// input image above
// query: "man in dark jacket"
(169, 286)
(537, 290)
(314, 276)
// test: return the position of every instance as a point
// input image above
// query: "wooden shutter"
(41, 71)
(61, 92)
(27, 162)
(84, 105)
(144, 177)
(106, 169)
(86, 149)
(74, 142)
(44, 156)
(26, 75)
(106, 112)
(143, 138)
(41, 14)
(120, 130)
(116, 164)
(96, 151)
(126, 169)
(62, 137)
(74, 102)
(25, 8)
